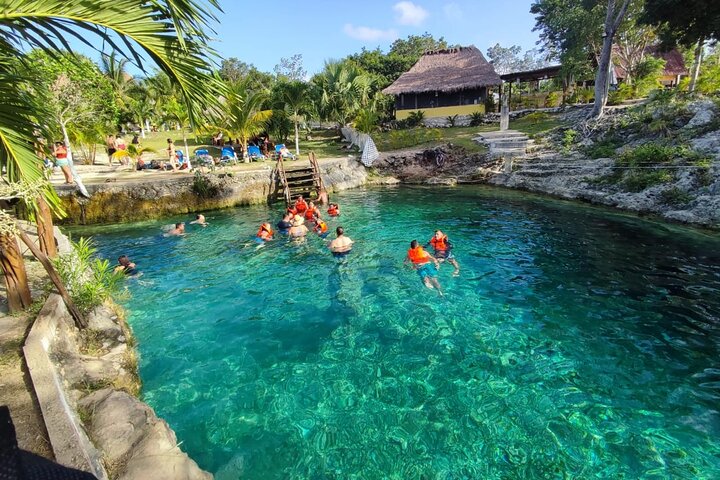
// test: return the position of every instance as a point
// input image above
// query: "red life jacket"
(61, 151)
(265, 233)
(418, 256)
(300, 206)
(333, 211)
(309, 214)
(439, 244)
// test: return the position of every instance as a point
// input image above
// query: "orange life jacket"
(300, 206)
(439, 244)
(333, 211)
(309, 214)
(321, 227)
(418, 256)
(265, 232)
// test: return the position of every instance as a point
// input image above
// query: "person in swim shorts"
(60, 152)
(423, 262)
(442, 249)
(341, 245)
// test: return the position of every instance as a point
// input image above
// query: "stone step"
(509, 144)
(501, 134)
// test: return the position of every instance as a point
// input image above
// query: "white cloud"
(409, 13)
(452, 11)
(369, 34)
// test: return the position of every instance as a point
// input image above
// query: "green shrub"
(415, 118)
(451, 120)
(704, 177)
(569, 137)
(537, 117)
(648, 154)
(675, 196)
(490, 105)
(476, 119)
(586, 95)
(602, 149)
(553, 99)
(204, 187)
(641, 180)
(366, 121)
(90, 281)
(619, 95)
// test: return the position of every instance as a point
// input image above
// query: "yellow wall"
(442, 111)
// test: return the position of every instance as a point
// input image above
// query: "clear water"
(577, 343)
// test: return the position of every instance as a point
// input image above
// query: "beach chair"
(203, 158)
(227, 155)
(281, 149)
(182, 161)
(254, 153)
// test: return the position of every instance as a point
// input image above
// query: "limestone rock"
(104, 321)
(708, 143)
(449, 181)
(704, 112)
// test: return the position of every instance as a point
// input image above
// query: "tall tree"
(290, 68)
(511, 59)
(242, 113)
(295, 98)
(686, 22)
(341, 89)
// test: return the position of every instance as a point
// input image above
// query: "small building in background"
(673, 72)
(453, 81)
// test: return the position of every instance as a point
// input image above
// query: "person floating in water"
(200, 220)
(298, 230)
(285, 224)
(422, 262)
(342, 245)
(333, 210)
(125, 266)
(442, 248)
(311, 212)
(321, 227)
(265, 233)
(177, 231)
(300, 205)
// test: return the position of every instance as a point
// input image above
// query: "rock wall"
(118, 201)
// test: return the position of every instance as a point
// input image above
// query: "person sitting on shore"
(298, 230)
(333, 210)
(200, 220)
(342, 245)
(300, 205)
(285, 224)
(442, 249)
(265, 233)
(177, 231)
(125, 266)
(423, 263)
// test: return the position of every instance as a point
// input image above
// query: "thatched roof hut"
(446, 70)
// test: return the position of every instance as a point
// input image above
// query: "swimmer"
(125, 266)
(300, 205)
(321, 228)
(200, 220)
(177, 231)
(311, 212)
(443, 250)
(298, 230)
(333, 210)
(422, 262)
(264, 234)
(342, 245)
(285, 224)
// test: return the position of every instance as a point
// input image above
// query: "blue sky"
(262, 32)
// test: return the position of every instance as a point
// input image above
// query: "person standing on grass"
(172, 156)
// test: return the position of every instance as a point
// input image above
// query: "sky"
(261, 33)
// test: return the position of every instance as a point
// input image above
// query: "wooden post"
(13, 265)
(46, 235)
(77, 316)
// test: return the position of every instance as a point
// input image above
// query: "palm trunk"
(297, 139)
(13, 265)
(46, 235)
(142, 128)
(187, 151)
(696, 65)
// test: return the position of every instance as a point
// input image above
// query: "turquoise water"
(576, 343)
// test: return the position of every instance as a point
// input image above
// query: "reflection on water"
(576, 343)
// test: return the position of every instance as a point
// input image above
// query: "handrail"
(316, 172)
(283, 178)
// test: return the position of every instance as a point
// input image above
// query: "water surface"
(576, 343)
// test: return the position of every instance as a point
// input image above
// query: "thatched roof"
(446, 71)
(674, 61)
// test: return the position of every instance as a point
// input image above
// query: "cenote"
(576, 342)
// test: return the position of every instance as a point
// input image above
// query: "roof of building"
(446, 70)
(674, 62)
(533, 75)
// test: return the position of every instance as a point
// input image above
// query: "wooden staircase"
(305, 181)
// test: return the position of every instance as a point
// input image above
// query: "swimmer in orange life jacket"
(443, 250)
(321, 227)
(300, 205)
(265, 233)
(311, 212)
(333, 210)
(422, 262)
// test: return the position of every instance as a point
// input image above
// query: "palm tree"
(115, 70)
(242, 115)
(341, 90)
(294, 97)
(172, 34)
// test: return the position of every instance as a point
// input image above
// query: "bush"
(639, 181)
(366, 121)
(451, 120)
(648, 154)
(619, 95)
(553, 99)
(415, 118)
(537, 117)
(675, 196)
(602, 149)
(569, 137)
(476, 119)
(490, 105)
(89, 281)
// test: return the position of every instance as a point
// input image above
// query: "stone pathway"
(507, 143)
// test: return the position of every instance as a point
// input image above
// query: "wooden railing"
(319, 186)
(280, 168)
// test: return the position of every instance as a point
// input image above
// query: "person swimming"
(285, 224)
(265, 233)
(321, 228)
(179, 230)
(200, 220)
(125, 266)
(300, 205)
(298, 230)
(333, 210)
(442, 248)
(341, 245)
(422, 262)
(311, 212)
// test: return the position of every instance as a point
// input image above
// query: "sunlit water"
(576, 342)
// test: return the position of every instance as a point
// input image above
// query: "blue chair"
(182, 161)
(203, 157)
(254, 153)
(227, 154)
(286, 154)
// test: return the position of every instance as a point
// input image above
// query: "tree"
(340, 90)
(290, 68)
(632, 41)
(169, 33)
(686, 22)
(509, 59)
(294, 97)
(242, 113)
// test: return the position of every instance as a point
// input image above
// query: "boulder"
(104, 321)
(704, 112)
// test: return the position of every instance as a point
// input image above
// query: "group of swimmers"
(293, 225)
